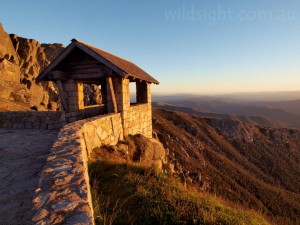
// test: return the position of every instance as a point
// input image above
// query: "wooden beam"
(112, 93)
(62, 95)
(101, 59)
(88, 74)
(84, 66)
(82, 62)
(58, 75)
(86, 70)
(99, 82)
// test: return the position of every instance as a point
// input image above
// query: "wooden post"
(62, 95)
(112, 93)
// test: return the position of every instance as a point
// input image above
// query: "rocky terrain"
(21, 60)
(252, 166)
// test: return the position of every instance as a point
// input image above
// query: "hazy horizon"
(239, 96)
(225, 93)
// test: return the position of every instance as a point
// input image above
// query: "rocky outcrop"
(92, 94)
(9, 60)
(149, 152)
(34, 57)
(234, 128)
(21, 60)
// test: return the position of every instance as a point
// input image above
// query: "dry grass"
(126, 193)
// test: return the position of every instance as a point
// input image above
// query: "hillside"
(254, 166)
(253, 120)
(126, 191)
(292, 106)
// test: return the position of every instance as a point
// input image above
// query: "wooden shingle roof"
(119, 65)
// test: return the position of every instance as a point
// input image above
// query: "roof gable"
(120, 66)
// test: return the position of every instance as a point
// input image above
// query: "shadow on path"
(22, 156)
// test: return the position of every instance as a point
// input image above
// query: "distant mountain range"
(233, 97)
(278, 114)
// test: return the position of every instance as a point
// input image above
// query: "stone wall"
(86, 112)
(63, 194)
(51, 120)
(136, 119)
(102, 130)
(139, 120)
(31, 120)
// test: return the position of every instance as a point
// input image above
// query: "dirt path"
(22, 156)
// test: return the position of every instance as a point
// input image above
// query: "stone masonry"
(63, 194)
(47, 120)
(136, 119)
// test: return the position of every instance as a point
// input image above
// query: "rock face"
(21, 60)
(92, 94)
(9, 60)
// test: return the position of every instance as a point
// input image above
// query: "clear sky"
(191, 46)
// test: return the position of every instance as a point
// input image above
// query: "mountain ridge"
(260, 115)
(236, 161)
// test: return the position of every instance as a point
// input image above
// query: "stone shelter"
(82, 70)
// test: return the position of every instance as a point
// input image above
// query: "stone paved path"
(22, 156)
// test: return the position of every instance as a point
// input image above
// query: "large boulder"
(149, 152)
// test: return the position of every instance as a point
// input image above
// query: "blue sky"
(191, 46)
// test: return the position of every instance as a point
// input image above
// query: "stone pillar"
(74, 99)
(149, 116)
(124, 96)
